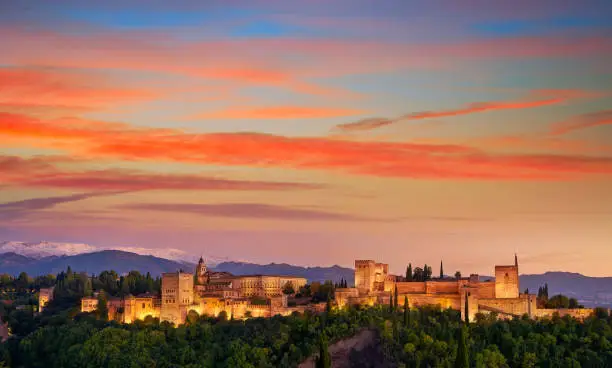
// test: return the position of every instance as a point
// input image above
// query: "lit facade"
(212, 293)
(45, 295)
(373, 285)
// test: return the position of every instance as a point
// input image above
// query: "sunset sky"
(313, 132)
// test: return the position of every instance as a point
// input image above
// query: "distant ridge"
(590, 291)
(334, 273)
(95, 262)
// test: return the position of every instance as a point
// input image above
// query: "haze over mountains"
(44, 258)
(46, 249)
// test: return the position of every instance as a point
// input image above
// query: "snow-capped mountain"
(45, 249)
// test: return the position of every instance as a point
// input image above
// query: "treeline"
(70, 287)
(425, 337)
(431, 337)
(86, 341)
(24, 283)
(556, 301)
(425, 273)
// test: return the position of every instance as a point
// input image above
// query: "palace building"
(209, 293)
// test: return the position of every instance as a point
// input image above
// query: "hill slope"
(590, 291)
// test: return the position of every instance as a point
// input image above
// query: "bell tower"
(201, 272)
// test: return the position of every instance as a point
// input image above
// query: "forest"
(62, 336)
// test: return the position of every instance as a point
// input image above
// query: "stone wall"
(441, 287)
(411, 287)
(444, 300)
(514, 306)
(576, 313)
(343, 295)
(485, 289)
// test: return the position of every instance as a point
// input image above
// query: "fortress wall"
(410, 287)
(515, 306)
(344, 294)
(576, 313)
(420, 300)
(444, 287)
(486, 290)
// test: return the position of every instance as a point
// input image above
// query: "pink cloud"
(584, 121)
(554, 97)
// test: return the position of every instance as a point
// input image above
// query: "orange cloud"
(389, 159)
(590, 120)
(373, 123)
(26, 88)
(281, 112)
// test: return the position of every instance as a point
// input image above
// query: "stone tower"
(507, 281)
(201, 272)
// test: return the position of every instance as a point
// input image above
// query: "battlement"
(505, 267)
(364, 262)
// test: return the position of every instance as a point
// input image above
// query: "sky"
(313, 132)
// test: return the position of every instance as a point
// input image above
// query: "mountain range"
(590, 291)
(44, 249)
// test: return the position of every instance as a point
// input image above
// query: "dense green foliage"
(86, 341)
(436, 338)
(426, 337)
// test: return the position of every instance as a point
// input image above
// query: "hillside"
(590, 291)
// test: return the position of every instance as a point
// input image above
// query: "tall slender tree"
(324, 359)
(102, 309)
(441, 270)
(409, 272)
(467, 309)
(463, 359)
(406, 311)
(396, 301)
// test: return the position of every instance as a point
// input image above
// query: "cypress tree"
(462, 360)
(441, 270)
(409, 272)
(467, 309)
(406, 311)
(328, 306)
(396, 300)
(102, 309)
(324, 359)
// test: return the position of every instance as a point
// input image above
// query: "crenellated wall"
(576, 313)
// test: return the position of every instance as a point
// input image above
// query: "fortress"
(209, 293)
(213, 293)
(374, 285)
